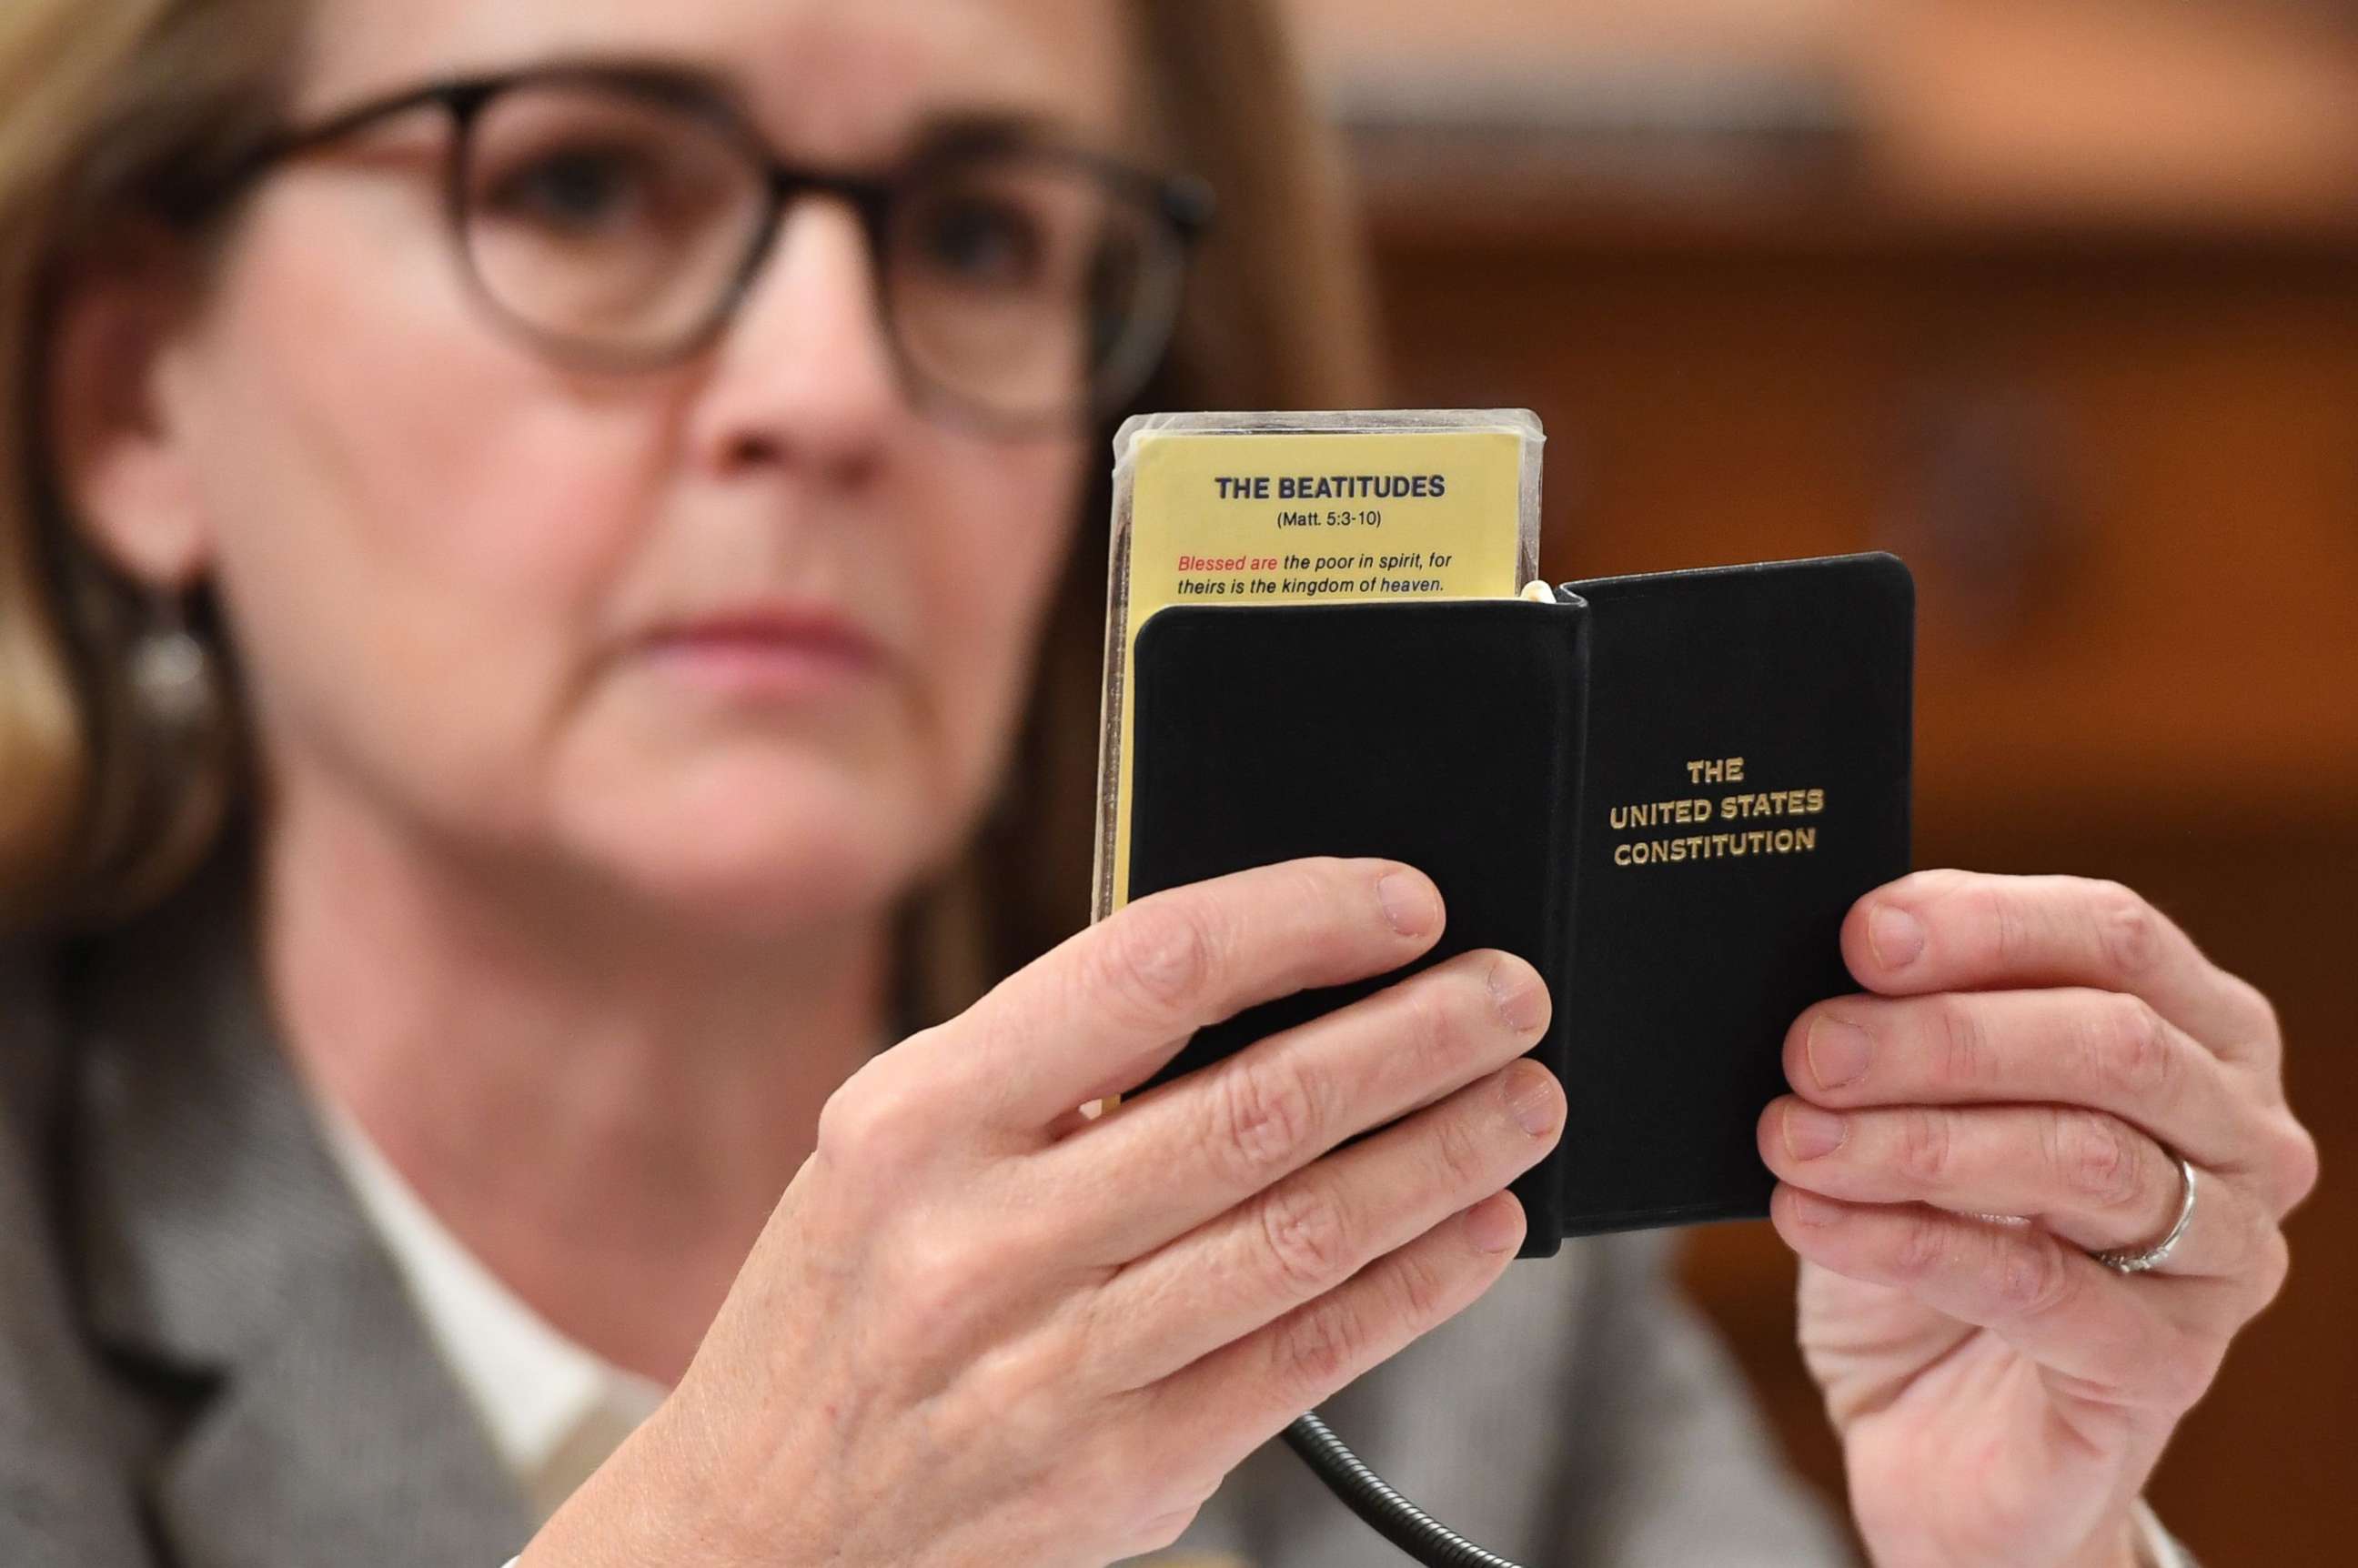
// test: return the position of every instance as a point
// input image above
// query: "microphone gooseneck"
(1393, 1517)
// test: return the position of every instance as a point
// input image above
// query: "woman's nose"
(805, 376)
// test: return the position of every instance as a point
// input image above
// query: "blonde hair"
(108, 106)
(103, 106)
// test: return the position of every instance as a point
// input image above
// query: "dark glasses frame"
(1178, 211)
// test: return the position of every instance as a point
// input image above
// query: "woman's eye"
(582, 191)
(981, 240)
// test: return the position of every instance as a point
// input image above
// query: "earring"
(171, 672)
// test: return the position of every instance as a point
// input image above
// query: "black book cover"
(1664, 791)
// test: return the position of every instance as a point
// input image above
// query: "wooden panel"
(2128, 484)
(2128, 477)
(2205, 118)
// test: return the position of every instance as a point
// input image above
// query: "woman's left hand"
(2041, 1047)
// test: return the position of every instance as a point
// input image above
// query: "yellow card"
(1244, 510)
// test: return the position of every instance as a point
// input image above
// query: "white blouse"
(552, 1410)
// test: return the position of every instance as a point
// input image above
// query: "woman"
(624, 461)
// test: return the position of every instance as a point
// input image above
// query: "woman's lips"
(759, 652)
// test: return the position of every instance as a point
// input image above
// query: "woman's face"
(747, 635)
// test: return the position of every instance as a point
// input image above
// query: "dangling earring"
(171, 671)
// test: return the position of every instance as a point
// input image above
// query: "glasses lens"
(611, 222)
(1028, 286)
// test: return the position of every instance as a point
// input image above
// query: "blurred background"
(2058, 299)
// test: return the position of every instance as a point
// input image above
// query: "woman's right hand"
(983, 1328)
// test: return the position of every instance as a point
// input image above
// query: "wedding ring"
(2127, 1260)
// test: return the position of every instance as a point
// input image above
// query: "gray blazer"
(207, 1360)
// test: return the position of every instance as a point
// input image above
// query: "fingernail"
(1897, 936)
(1534, 1098)
(1838, 1052)
(1520, 996)
(1812, 1134)
(1409, 903)
(1808, 1209)
(1496, 1223)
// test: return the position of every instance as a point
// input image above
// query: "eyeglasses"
(617, 217)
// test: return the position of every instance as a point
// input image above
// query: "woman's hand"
(982, 1328)
(2045, 1048)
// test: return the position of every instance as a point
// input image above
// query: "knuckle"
(1161, 961)
(2294, 1164)
(2131, 1057)
(873, 1124)
(2003, 922)
(1962, 1040)
(2097, 1159)
(1264, 1111)
(2251, 1008)
(1927, 1148)
(1024, 1419)
(1419, 1290)
(2030, 1278)
(1460, 1154)
(1010, 1383)
(1321, 1343)
(1091, 1332)
(939, 1283)
(1024, 1229)
(2128, 928)
(1922, 1248)
(2266, 1024)
(1307, 1235)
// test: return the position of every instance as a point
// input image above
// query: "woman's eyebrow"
(935, 133)
(667, 73)
(982, 129)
